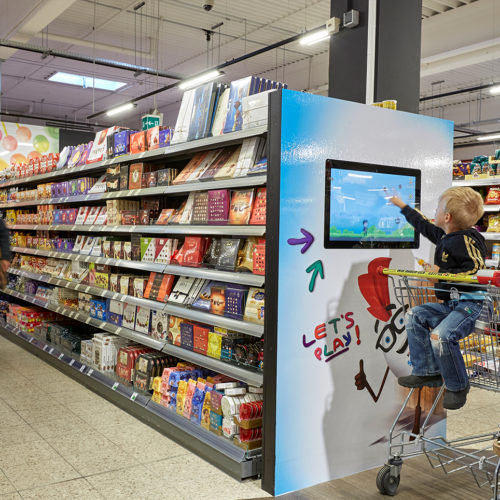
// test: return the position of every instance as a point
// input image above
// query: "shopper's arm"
(424, 226)
(6, 254)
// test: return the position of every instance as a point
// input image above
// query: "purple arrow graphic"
(307, 241)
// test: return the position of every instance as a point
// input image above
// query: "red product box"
(138, 142)
(200, 339)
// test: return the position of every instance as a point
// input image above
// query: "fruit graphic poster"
(20, 143)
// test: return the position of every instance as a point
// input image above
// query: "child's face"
(440, 215)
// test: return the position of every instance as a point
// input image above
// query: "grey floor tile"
(39, 474)
(67, 490)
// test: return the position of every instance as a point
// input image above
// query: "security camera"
(208, 5)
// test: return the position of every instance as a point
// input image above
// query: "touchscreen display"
(358, 213)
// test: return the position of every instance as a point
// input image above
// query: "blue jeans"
(434, 330)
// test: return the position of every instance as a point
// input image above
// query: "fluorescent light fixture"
(198, 80)
(495, 89)
(490, 137)
(316, 37)
(85, 81)
(120, 109)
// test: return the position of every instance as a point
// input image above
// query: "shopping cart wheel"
(386, 483)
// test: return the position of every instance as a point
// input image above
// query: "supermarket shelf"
(215, 275)
(491, 236)
(85, 318)
(226, 230)
(491, 208)
(250, 377)
(212, 319)
(237, 372)
(218, 450)
(491, 181)
(257, 180)
(183, 312)
(93, 290)
(195, 272)
(156, 154)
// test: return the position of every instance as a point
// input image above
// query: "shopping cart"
(479, 454)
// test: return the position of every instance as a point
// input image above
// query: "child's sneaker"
(453, 400)
(414, 381)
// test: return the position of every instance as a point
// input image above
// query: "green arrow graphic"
(316, 268)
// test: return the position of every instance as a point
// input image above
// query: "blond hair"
(464, 205)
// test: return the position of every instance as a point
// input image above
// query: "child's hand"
(430, 268)
(395, 200)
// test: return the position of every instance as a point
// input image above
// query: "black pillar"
(397, 53)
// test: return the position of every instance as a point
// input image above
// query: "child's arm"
(418, 221)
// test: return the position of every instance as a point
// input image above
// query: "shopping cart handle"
(488, 277)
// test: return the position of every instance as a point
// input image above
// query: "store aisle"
(60, 440)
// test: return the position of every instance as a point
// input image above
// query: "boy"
(434, 329)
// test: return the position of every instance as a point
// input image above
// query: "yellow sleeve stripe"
(474, 254)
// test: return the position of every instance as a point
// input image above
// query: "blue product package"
(197, 404)
(122, 142)
(164, 137)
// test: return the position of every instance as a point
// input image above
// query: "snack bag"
(493, 224)
(493, 196)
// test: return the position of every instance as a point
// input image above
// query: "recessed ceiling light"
(85, 81)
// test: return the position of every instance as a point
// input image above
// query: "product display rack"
(195, 272)
(151, 229)
(256, 180)
(213, 448)
(491, 181)
(217, 450)
(184, 148)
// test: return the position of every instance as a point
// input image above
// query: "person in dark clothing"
(435, 329)
(5, 253)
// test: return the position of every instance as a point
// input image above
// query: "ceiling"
(460, 49)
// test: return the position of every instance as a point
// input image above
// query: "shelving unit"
(187, 229)
(491, 181)
(195, 272)
(217, 449)
(240, 182)
(236, 461)
(156, 154)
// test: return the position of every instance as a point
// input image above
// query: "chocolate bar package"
(241, 206)
(200, 208)
(255, 305)
(181, 290)
(203, 300)
(259, 207)
(212, 255)
(218, 300)
(143, 320)
(228, 255)
(165, 289)
(164, 137)
(187, 336)
(159, 325)
(135, 175)
(166, 176)
(124, 173)
(136, 246)
(218, 206)
(235, 296)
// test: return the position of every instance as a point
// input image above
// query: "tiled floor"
(59, 440)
